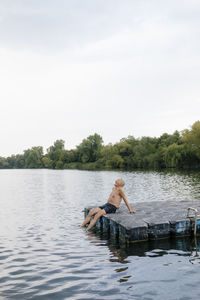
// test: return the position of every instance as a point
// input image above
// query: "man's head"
(119, 182)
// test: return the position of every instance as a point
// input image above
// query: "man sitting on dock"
(110, 207)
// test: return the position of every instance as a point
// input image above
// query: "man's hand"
(132, 211)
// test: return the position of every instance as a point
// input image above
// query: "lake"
(45, 255)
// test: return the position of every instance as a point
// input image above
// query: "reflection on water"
(162, 263)
(45, 255)
(187, 246)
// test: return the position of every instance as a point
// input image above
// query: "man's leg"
(100, 213)
(92, 212)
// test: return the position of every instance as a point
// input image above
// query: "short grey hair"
(122, 181)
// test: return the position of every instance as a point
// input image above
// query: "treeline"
(177, 150)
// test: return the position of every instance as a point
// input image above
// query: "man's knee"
(93, 211)
(90, 212)
(100, 213)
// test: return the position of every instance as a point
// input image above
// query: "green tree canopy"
(90, 149)
(33, 157)
(192, 136)
(3, 163)
(167, 151)
(55, 154)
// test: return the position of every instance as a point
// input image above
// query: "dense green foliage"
(177, 150)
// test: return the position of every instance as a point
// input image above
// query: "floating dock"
(152, 220)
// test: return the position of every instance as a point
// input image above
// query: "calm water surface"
(45, 255)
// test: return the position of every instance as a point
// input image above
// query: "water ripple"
(44, 254)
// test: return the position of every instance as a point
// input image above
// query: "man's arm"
(126, 201)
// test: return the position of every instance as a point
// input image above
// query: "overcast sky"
(70, 68)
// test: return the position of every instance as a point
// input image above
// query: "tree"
(166, 139)
(173, 156)
(3, 163)
(47, 162)
(192, 137)
(11, 161)
(123, 148)
(59, 164)
(180, 156)
(19, 161)
(33, 157)
(116, 162)
(90, 149)
(55, 152)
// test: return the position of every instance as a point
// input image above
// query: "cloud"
(49, 26)
(72, 68)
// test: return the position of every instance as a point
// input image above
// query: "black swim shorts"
(109, 208)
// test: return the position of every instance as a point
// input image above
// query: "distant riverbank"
(179, 150)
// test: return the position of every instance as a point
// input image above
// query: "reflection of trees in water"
(189, 177)
(180, 184)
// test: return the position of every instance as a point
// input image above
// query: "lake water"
(45, 255)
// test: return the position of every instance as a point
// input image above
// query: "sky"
(72, 68)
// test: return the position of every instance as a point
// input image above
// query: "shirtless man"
(110, 207)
